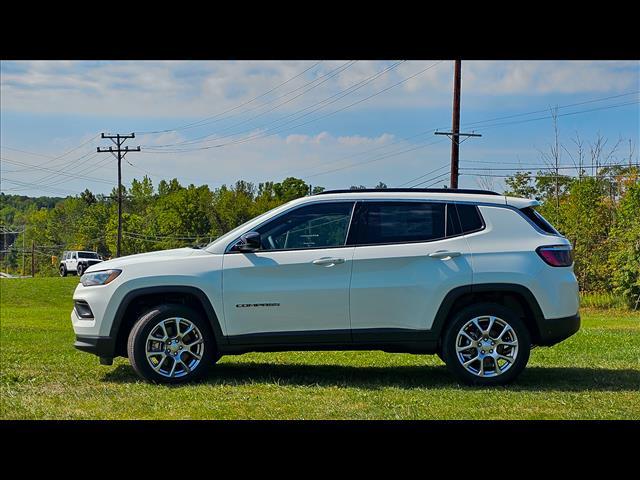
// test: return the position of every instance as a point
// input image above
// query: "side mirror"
(250, 242)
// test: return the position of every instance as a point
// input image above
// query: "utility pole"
(24, 234)
(33, 259)
(455, 134)
(119, 153)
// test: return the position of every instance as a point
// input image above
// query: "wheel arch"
(513, 296)
(143, 298)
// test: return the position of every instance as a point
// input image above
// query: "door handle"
(328, 261)
(444, 254)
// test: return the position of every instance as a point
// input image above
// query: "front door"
(295, 288)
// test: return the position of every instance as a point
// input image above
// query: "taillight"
(556, 255)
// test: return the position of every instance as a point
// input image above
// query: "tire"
(79, 269)
(63, 271)
(147, 332)
(482, 370)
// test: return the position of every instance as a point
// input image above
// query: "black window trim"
(377, 200)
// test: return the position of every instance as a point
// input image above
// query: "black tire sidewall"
(462, 317)
(144, 325)
(79, 270)
(63, 271)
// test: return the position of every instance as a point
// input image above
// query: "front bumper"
(555, 330)
(103, 347)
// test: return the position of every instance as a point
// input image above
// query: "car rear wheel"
(63, 271)
(486, 344)
(171, 344)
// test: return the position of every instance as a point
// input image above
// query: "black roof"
(412, 190)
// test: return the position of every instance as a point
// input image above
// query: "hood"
(120, 262)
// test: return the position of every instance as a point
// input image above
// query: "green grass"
(593, 375)
(602, 300)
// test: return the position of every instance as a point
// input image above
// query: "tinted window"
(400, 222)
(313, 226)
(469, 216)
(453, 222)
(539, 220)
(87, 255)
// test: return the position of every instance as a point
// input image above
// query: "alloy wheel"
(174, 347)
(486, 346)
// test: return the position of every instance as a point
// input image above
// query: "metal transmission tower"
(455, 134)
(119, 152)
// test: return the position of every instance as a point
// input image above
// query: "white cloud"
(194, 89)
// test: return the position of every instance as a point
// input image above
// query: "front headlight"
(101, 277)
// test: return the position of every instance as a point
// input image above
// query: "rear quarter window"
(463, 218)
(539, 220)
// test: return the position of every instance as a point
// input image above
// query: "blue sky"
(51, 107)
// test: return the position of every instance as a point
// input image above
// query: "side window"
(468, 219)
(312, 226)
(74, 255)
(539, 220)
(399, 222)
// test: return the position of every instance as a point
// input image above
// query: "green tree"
(520, 184)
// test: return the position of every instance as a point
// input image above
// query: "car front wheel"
(79, 270)
(171, 344)
(486, 344)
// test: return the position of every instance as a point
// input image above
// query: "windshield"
(87, 255)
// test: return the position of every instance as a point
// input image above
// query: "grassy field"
(593, 375)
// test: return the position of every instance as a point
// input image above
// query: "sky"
(331, 123)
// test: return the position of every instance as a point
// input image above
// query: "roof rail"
(412, 190)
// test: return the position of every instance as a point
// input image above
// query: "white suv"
(476, 277)
(77, 261)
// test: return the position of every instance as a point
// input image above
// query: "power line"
(205, 120)
(432, 130)
(564, 167)
(53, 157)
(30, 185)
(329, 76)
(601, 99)
(571, 113)
(263, 135)
(341, 94)
(422, 176)
(366, 162)
(438, 178)
(34, 167)
(367, 80)
(635, 102)
(168, 237)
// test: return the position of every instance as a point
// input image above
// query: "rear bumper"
(555, 330)
(103, 347)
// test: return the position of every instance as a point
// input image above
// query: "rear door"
(408, 256)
